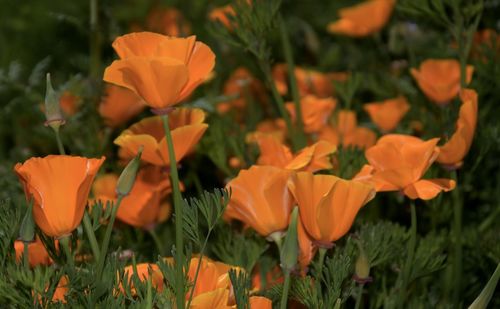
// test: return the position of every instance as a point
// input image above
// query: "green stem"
(64, 241)
(156, 239)
(179, 241)
(409, 256)
(87, 226)
(359, 296)
(321, 262)
(26, 261)
(286, 288)
(107, 237)
(457, 232)
(149, 295)
(95, 48)
(59, 142)
(287, 49)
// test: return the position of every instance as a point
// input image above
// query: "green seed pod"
(53, 112)
(362, 266)
(290, 251)
(127, 177)
(27, 229)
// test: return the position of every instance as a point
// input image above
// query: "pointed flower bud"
(127, 178)
(53, 112)
(290, 251)
(484, 298)
(362, 267)
(27, 229)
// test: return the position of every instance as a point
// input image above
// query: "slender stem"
(321, 262)
(198, 267)
(95, 40)
(64, 241)
(26, 261)
(87, 226)
(179, 241)
(156, 239)
(59, 142)
(287, 49)
(286, 288)
(149, 295)
(107, 237)
(409, 255)
(359, 296)
(457, 233)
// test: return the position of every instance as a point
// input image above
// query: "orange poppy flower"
(328, 204)
(61, 290)
(347, 133)
(272, 277)
(453, 152)
(241, 84)
(387, 114)
(313, 158)
(149, 61)
(187, 128)
(315, 112)
(213, 275)
(363, 19)
(398, 162)
(306, 246)
(69, 103)
(439, 79)
(269, 127)
(144, 272)
(167, 21)
(142, 206)
(260, 199)
(119, 105)
(37, 254)
(222, 15)
(59, 186)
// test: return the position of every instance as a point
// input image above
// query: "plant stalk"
(59, 142)
(409, 256)
(457, 232)
(87, 226)
(107, 236)
(64, 241)
(286, 288)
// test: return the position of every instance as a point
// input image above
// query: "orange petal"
(427, 189)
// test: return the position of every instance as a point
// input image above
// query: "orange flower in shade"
(307, 248)
(187, 128)
(453, 152)
(439, 79)
(144, 272)
(363, 19)
(37, 254)
(149, 61)
(59, 186)
(119, 105)
(223, 14)
(398, 162)
(241, 84)
(61, 290)
(269, 127)
(263, 280)
(315, 112)
(260, 199)
(142, 207)
(328, 204)
(313, 158)
(347, 133)
(387, 114)
(167, 21)
(69, 103)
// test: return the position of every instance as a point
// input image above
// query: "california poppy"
(241, 84)
(59, 186)
(61, 290)
(69, 103)
(144, 271)
(149, 61)
(269, 127)
(168, 21)
(307, 247)
(346, 132)
(363, 19)
(187, 128)
(37, 254)
(439, 79)
(398, 162)
(260, 199)
(387, 114)
(328, 204)
(455, 149)
(223, 14)
(119, 105)
(315, 112)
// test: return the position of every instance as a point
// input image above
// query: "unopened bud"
(27, 229)
(290, 251)
(362, 267)
(53, 112)
(127, 177)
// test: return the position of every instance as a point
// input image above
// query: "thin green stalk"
(287, 49)
(59, 142)
(95, 44)
(457, 233)
(64, 241)
(157, 241)
(107, 236)
(149, 295)
(179, 241)
(87, 226)
(359, 296)
(409, 256)
(26, 261)
(321, 262)
(286, 288)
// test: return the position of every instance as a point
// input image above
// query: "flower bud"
(484, 298)
(362, 267)
(127, 177)
(27, 229)
(53, 112)
(290, 251)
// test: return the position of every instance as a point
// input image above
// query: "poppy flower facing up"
(119, 105)
(186, 126)
(387, 114)
(260, 199)
(37, 254)
(363, 19)
(59, 186)
(328, 204)
(315, 112)
(398, 162)
(439, 79)
(456, 148)
(149, 61)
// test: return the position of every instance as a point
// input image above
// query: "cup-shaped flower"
(260, 199)
(186, 126)
(119, 105)
(363, 19)
(387, 114)
(328, 204)
(346, 132)
(398, 162)
(439, 79)
(150, 61)
(453, 152)
(59, 186)
(315, 112)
